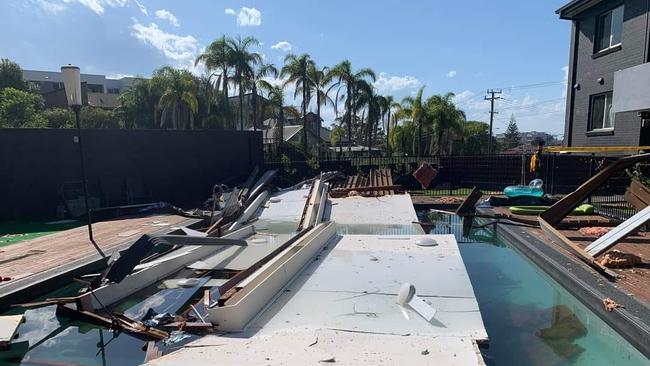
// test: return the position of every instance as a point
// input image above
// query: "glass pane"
(617, 25)
(597, 111)
(604, 30)
(609, 116)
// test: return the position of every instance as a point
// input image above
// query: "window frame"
(597, 33)
(590, 123)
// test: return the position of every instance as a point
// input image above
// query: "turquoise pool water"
(530, 319)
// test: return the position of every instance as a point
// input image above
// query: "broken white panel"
(325, 347)
(9, 327)
(393, 209)
(248, 301)
(355, 286)
(242, 257)
(192, 232)
(162, 267)
(617, 234)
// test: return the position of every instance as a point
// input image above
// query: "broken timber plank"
(558, 237)
(8, 328)
(566, 205)
(467, 207)
(618, 233)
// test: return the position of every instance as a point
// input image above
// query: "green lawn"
(12, 232)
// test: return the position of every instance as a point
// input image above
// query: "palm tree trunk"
(349, 107)
(370, 124)
(318, 120)
(388, 134)
(304, 112)
(419, 145)
(241, 106)
(254, 107)
(225, 95)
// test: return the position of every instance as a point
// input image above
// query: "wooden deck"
(634, 280)
(34, 256)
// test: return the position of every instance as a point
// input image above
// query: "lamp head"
(72, 83)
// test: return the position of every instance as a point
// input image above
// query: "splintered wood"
(379, 182)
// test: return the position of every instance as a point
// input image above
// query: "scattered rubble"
(618, 259)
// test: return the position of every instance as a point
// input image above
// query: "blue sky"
(464, 47)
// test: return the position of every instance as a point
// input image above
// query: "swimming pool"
(530, 319)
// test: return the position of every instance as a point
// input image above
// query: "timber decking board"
(570, 220)
(635, 280)
(60, 248)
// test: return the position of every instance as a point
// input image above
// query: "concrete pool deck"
(342, 307)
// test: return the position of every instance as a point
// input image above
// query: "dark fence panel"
(123, 166)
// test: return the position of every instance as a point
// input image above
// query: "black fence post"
(451, 175)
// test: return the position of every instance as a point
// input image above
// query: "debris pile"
(618, 259)
(378, 182)
(596, 231)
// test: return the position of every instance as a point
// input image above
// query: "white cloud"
(451, 73)
(167, 15)
(249, 17)
(142, 8)
(229, 11)
(181, 49)
(282, 45)
(98, 6)
(50, 7)
(388, 84)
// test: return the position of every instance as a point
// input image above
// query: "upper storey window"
(609, 29)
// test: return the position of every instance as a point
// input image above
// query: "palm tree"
(388, 106)
(444, 117)
(412, 109)
(244, 62)
(138, 105)
(346, 78)
(255, 82)
(178, 97)
(218, 57)
(318, 78)
(296, 71)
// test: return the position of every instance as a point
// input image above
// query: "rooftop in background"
(53, 80)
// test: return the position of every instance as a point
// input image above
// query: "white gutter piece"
(154, 271)
(312, 204)
(323, 203)
(260, 291)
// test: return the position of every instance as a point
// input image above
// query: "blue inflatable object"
(534, 189)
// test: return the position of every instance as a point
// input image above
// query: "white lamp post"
(72, 83)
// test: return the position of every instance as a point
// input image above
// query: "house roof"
(269, 133)
(575, 7)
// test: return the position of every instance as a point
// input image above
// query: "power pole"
(492, 97)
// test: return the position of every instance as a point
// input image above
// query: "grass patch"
(12, 232)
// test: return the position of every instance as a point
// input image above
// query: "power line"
(528, 106)
(492, 98)
(532, 86)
